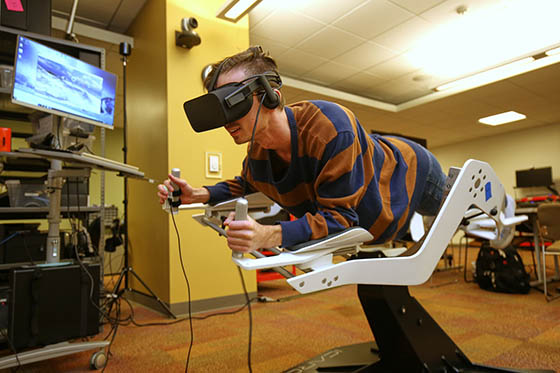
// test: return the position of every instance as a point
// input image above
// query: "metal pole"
(55, 190)
(70, 25)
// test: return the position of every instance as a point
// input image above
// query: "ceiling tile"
(417, 6)
(326, 13)
(365, 55)
(295, 62)
(373, 18)
(405, 35)
(99, 12)
(125, 14)
(447, 10)
(272, 46)
(416, 80)
(329, 72)
(330, 42)
(277, 27)
(392, 68)
(359, 82)
(261, 11)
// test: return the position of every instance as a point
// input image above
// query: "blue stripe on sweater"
(336, 115)
(346, 184)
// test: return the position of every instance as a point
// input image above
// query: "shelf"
(42, 212)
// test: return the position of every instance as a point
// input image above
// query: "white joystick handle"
(241, 209)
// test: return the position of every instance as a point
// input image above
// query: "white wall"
(537, 147)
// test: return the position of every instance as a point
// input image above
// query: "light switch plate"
(213, 165)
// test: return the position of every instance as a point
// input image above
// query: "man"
(315, 160)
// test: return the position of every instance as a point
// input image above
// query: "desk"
(55, 175)
(14, 213)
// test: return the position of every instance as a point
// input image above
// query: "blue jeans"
(433, 191)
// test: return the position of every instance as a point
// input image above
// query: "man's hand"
(188, 193)
(248, 235)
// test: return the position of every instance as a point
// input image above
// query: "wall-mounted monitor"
(534, 177)
(51, 81)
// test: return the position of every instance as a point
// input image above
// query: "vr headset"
(230, 102)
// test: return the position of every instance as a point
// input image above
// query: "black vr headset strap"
(212, 85)
(271, 100)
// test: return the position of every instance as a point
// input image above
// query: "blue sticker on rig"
(488, 189)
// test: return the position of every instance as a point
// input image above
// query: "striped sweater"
(338, 176)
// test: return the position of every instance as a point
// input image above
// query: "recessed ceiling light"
(507, 117)
(489, 76)
(234, 10)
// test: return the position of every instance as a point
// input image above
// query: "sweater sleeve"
(228, 189)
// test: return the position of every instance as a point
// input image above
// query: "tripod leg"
(117, 286)
(163, 305)
(119, 281)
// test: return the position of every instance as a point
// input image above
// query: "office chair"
(548, 217)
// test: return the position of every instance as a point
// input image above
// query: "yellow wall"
(537, 147)
(162, 77)
(206, 254)
(147, 114)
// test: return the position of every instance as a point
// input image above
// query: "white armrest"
(306, 256)
(257, 202)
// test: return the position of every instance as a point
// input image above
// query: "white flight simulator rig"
(400, 325)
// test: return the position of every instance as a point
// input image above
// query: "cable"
(9, 237)
(225, 313)
(251, 146)
(250, 320)
(115, 322)
(5, 335)
(239, 269)
(188, 289)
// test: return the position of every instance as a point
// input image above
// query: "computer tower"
(22, 242)
(27, 15)
(51, 304)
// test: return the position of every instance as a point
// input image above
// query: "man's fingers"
(242, 234)
(230, 218)
(176, 180)
(238, 244)
(238, 225)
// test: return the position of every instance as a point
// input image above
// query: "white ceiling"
(112, 15)
(359, 47)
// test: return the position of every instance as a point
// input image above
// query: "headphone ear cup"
(271, 102)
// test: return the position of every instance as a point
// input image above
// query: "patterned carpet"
(521, 331)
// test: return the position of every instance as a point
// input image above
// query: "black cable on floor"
(250, 320)
(188, 289)
(19, 366)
